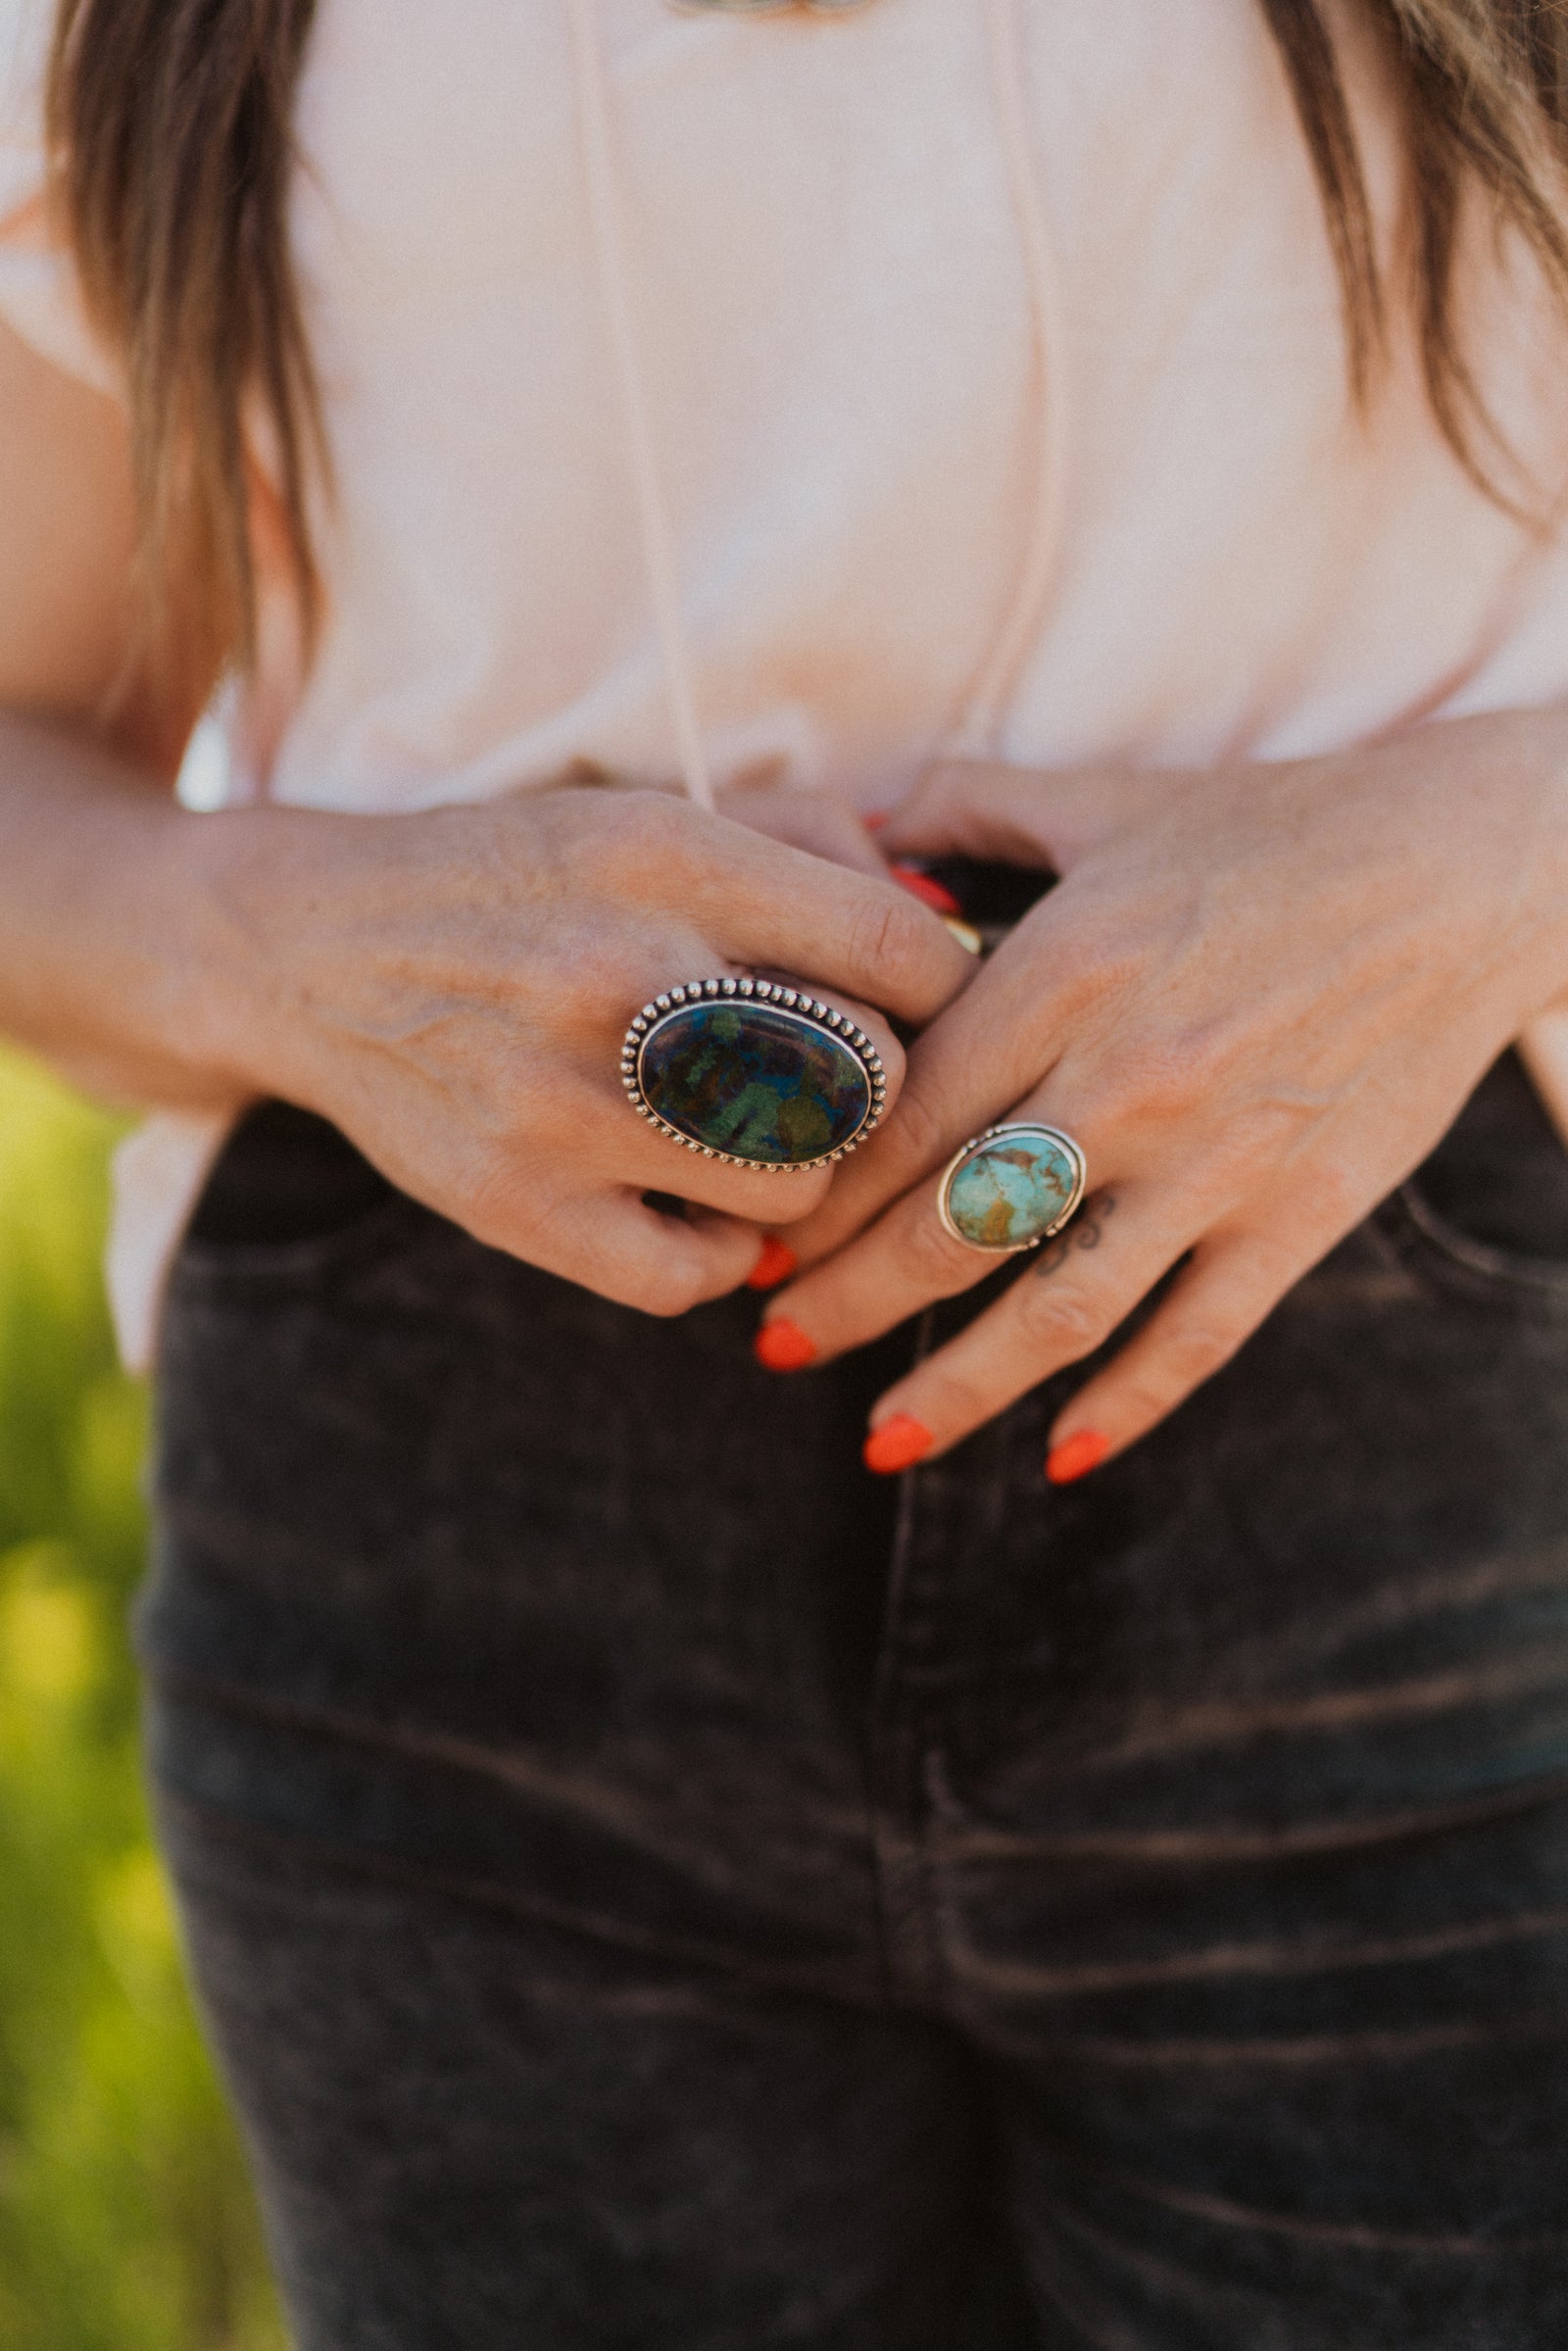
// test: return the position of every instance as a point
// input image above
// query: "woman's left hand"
(1256, 998)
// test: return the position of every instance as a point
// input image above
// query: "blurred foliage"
(125, 2219)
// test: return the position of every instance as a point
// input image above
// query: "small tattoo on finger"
(1085, 1234)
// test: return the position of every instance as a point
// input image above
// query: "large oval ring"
(754, 1074)
(1011, 1188)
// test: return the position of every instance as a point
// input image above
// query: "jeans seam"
(1440, 1278)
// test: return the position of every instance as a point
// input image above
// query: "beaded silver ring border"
(805, 1007)
(977, 1143)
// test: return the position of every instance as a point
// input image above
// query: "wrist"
(295, 910)
(240, 886)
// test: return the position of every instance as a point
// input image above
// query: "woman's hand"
(453, 988)
(1256, 998)
(822, 823)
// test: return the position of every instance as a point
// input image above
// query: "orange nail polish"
(899, 1444)
(1076, 1456)
(927, 888)
(783, 1346)
(775, 1264)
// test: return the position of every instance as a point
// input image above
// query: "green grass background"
(125, 2221)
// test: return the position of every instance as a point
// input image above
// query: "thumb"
(1043, 817)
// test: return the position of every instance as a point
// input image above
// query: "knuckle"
(1156, 1087)
(889, 939)
(934, 1261)
(915, 1136)
(667, 1292)
(1242, 1153)
(1193, 1351)
(1063, 1324)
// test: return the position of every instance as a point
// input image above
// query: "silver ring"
(754, 1074)
(1011, 1188)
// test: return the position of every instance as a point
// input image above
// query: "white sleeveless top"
(838, 389)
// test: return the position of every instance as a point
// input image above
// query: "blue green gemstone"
(1012, 1191)
(755, 1081)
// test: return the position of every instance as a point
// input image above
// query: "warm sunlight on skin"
(1256, 998)
(451, 988)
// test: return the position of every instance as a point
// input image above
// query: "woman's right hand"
(452, 989)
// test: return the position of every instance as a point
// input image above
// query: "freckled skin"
(754, 1083)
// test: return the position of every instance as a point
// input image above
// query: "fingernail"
(783, 1346)
(1076, 1456)
(899, 1444)
(925, 885)
(775, 1264)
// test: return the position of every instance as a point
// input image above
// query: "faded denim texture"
(651, 1885)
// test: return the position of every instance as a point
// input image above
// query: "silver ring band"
(754, 1074)
(1011, 1188)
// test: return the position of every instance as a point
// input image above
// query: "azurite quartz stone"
(755, 1081)
(1011, 1191)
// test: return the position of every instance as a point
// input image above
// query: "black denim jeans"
(650, 1885)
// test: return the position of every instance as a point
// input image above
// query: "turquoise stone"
(755, 1081)
(1012, 1191)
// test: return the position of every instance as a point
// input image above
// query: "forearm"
(108, 959)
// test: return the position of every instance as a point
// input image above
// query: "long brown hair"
(171, 123)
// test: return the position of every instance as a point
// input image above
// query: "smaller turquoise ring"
(1011, 1188)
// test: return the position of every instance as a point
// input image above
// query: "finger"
(769, 906)
(1232, 1285)
(1043, 817)
(988, 1051)
(710, 1256)
(1064, 1304)
(906, 1260)
(607, 1239)
(819, 822)
(759, 1195)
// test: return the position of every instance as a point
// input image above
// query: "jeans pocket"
(289, 1201)
(1485, 1217)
